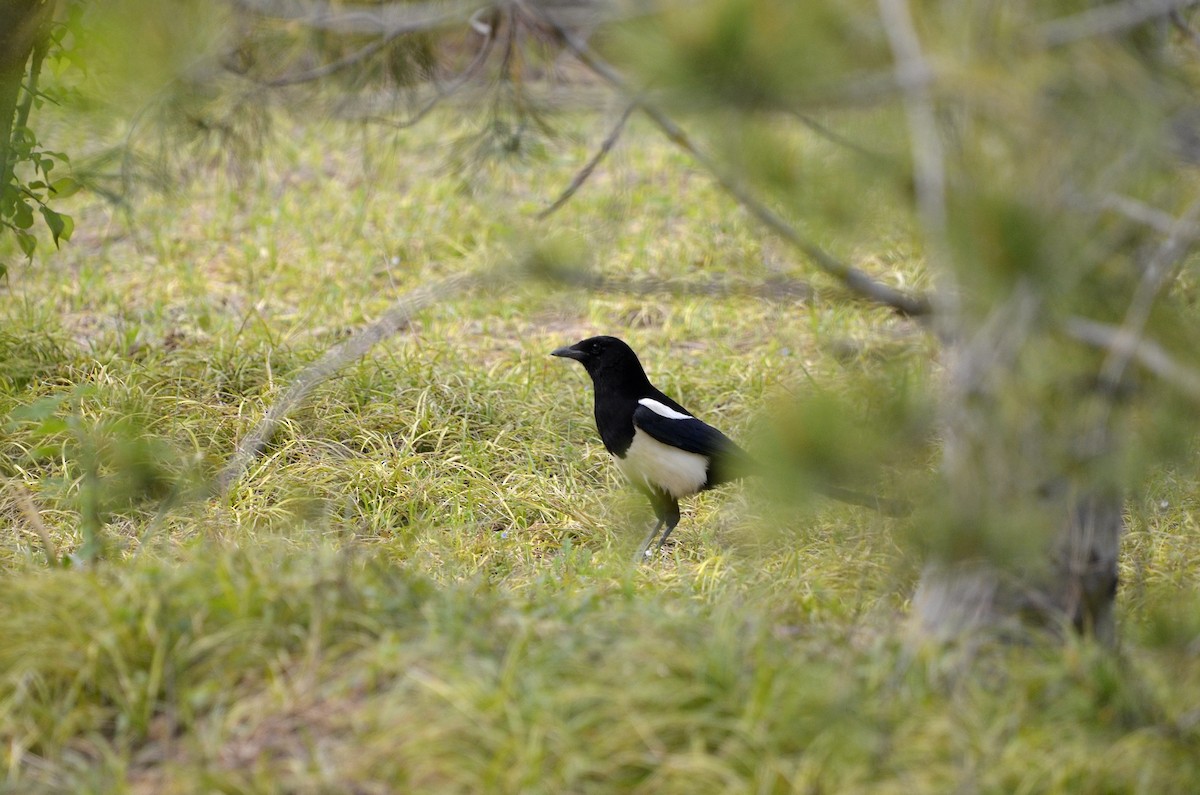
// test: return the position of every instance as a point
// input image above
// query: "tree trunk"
(1085, 565)
(1004, 455)
(959, 600)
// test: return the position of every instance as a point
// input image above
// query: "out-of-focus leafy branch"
(853, 278)
(29, 35)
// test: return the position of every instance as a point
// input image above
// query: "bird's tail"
(887, 506)
(736, 464)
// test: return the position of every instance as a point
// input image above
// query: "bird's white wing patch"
(664, 411)
(660, 466)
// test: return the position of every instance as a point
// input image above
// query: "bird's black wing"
(727, 460)
(686, 433)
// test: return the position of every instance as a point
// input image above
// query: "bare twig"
(1148, 354)
(390, 22)
(385, 19)
(1158, 272)
(1145, 214)
(773, 288)
(510, 44)
(443, 91)
(582, 176)
(333, 67)
(397, 317)
(1105, 20)
(486, 30)
(1127, 338)
(853, 278)
(836, 137)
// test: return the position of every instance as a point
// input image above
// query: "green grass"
(422, 585)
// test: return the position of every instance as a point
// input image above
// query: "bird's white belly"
(650, 462)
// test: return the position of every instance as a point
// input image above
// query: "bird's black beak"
(568, 352)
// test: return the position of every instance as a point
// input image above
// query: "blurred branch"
(1158, 272)
(929, 170)
(1121, 342)
(23, 30)
(773, 288)
(582, 176)
(871, 89)
(1107, 19)
(411, 17)
(386, 19)
(835, 137)
(33, 73)
(333, 67)
(1182, 25)
(475, 20)
(444, 91)
(1086, 555)
(994, 347)
(1142, 213)
(397, 317)
(853, 278)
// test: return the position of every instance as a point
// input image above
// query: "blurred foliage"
(1041, 122)
(110, 466)
(760, 55)
(32, 42)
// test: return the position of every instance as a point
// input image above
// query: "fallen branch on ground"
(397, 317)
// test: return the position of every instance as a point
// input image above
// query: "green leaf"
(54, 221)
(26, 241)
(9, 195)
(22, 215)
(67, 186)
(61, 225)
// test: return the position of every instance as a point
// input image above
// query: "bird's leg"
(671, 519)
(667, 532)
(644, 548)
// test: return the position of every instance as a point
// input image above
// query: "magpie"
(665, 451)
(657, 444)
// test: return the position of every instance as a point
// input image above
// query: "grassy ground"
(423, 585)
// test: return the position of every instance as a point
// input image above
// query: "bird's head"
(607, 355)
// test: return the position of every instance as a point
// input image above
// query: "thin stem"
(582, 175)
(853, 278)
